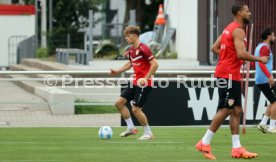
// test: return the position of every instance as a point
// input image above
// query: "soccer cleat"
(129, 132)
(205, 150)
(146, 137)
(262, 128)
(272, 131)
(243, 153)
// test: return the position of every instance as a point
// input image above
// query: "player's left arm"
(238, 36)
(216, 46)
(147, 54)
(153, 67)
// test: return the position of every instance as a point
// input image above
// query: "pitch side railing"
(105, 73)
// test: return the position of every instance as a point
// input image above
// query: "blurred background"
(188, 33)
(55, 56)
(84, 38)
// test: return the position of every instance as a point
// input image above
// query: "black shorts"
(137, 95)
(268, 91)
(229, 94)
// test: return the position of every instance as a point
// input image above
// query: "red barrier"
(17, 10)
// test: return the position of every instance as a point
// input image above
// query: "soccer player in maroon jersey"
(144, 65)
(230, 47)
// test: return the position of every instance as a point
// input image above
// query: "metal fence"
(26, 49)
(12, 48)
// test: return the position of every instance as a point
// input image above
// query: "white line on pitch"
(30, 160)
(15, 142)
(148, 142)
(189, 160)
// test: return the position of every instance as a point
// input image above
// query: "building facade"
(199, 22)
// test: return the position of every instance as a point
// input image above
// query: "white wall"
(121, 6)
(10, 2)
(14, 25)
(183, 16)
(114, 4)
(5, 1)
(97, 30)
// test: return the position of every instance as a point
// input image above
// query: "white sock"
(236, 141)
(272, 124)
(147, 130)
(130, 124)
(264, 120)
(207, 137)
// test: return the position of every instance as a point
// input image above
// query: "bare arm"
(153, 67)
(216, 46)
(126, 67)
(238, 36)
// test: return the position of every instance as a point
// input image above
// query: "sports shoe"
(272, 131)
(262, 128)
(146, 137)
(241, 152)
(205, 150)
(129, 132)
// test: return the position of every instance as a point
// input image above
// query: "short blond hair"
(132, 30)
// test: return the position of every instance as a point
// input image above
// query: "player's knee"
(136, 109)
(237, 111)
(119, 104)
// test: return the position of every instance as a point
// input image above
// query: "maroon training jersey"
(229, 64)
(140, 59)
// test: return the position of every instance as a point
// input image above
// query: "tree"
(73, 15)
(68, 17)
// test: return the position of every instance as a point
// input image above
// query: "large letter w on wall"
(204, 101)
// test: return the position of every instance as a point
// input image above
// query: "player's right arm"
(216, 46)
(124, 68)
(238, 36)
(265, 51)
(271, 81)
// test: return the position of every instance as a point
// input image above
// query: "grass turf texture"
(95, 109)
(83, 145)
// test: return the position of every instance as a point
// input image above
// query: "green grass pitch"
(171, 144)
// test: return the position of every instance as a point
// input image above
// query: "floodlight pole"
(90, 36)
(43, 23)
